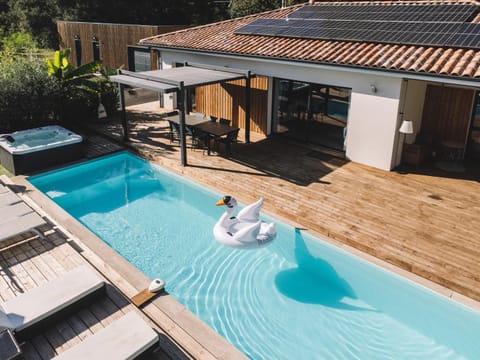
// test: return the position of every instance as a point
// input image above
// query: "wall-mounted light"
(94, 38)
(373, 88)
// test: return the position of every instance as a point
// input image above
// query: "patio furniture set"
(204, 129)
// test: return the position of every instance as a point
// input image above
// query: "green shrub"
(18, 43)
(29, 97)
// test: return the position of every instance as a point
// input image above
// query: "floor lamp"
(405, 129)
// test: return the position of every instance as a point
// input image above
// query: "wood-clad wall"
(227, 100)
(113, 38)
(447, 113)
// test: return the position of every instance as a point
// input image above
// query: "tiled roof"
(220, 38)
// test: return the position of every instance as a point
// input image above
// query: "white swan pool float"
(246, 230)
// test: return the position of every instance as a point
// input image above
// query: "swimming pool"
(298, 298)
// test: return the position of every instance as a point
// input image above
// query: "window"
(96, 48)
(142, 60)
(78, 50)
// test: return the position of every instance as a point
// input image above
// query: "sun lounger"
(125, 338)
(46, 300)
(17, 217)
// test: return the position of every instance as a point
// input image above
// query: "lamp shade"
(406, 127)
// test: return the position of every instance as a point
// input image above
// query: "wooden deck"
(422, 220)
(425, 222)
(35, 262)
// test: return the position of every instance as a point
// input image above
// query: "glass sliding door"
(311, 113)
(473, 147)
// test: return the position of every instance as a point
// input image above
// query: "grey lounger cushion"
(20, 225)
(18, 217)
(125, 338)
(38, 303)
(8, 198)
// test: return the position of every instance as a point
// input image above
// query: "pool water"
(299, 298)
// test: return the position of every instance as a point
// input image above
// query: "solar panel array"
(432, 25)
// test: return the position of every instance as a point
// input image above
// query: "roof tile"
(220, 38)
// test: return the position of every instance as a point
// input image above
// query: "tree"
(247, 7)
(4, 22)
(36, 17)
(17, 43)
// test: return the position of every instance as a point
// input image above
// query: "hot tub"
(40, 148)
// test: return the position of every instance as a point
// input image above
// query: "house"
(346, 75)
(114, 44)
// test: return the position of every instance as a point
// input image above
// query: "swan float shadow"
(246, 230)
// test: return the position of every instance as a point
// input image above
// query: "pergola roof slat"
(143, 83)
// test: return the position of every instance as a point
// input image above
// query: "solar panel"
(447, 12)
(429, 25)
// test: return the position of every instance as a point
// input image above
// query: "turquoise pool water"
(299, 298)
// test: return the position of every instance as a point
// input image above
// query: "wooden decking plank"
(79, 327)
(24, 257)
(105, 311)
(29, 352)
(18, 274)
(6, 292)
(120, 301)
(44, 248)
(43, 347)
(54, 338)
(69, 335)
(89, 319)
(40, 263)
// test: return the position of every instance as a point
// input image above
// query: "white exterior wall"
(373, 116)
(373, 123)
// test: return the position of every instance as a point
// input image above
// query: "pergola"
(179, 80)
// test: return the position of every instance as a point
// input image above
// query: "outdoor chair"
(17, 217)
(197, 137)
(224, 121)
(49, 300)
(174, 133)
(125, 338)
(227, 141)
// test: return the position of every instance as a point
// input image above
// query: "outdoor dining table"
(190, 120)
(215, 130)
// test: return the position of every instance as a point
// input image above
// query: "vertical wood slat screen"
(113, 38)
(227, 100)
(446, 113)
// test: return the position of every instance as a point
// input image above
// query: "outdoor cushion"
(8, 198)
(125, 338)
(15, 210)
(20, 225)
(18, 217)
(38, 303)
